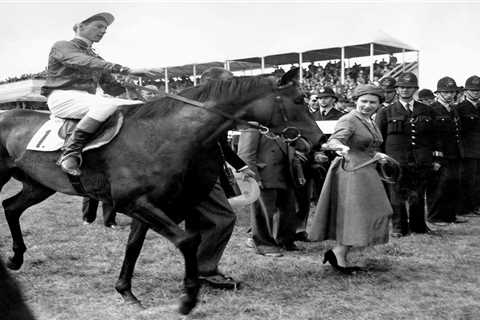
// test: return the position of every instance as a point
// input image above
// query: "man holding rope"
(74, 73)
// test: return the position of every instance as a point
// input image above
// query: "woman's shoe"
(332, 259)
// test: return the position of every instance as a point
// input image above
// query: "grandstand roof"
(356, 45)
(25, 90)
(359, 46)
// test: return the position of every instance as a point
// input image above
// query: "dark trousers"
(214, 220)
(470, 184)
(89, 210)
(408, 200)
(273, 217)
(444, 193)
(302, 195)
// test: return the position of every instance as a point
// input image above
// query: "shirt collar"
(404, 104)
(88, 42)
(327, 109)
(446, 105)
(475, 104)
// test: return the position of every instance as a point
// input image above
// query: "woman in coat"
(353, 207)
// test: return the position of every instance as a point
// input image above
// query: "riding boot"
(71, 158)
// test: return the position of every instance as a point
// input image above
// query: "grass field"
(70, 270)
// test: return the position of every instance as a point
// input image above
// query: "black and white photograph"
(238, 160)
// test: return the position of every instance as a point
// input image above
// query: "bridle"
(288, 134)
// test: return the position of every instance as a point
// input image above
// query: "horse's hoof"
(14, 264)
(186, 305)
(130, 300)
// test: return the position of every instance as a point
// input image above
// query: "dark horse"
(156, 169)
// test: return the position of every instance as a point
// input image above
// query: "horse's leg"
(187, 243)
(31, 193)
(138, 231)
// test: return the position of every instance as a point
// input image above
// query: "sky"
(160, 34)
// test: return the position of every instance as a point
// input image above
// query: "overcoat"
(353, 207)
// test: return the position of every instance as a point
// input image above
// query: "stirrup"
(67, 165)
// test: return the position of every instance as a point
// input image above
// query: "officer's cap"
(326, 92)
(407, 80)
(388, 84)
(473, 83)
(447, 84)
(425, 94)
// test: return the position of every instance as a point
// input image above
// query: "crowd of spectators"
(317, 77)
(38, 75)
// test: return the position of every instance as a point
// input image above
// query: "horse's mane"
(235, 91)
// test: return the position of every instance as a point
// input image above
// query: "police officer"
(445, 196)
(326, 99)
(407, 130)
(388, 86)
(426, 97)
(469, 112)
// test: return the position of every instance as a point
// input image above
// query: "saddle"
(54, 132)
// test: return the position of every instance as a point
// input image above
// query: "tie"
(409, 108)
(324, 113)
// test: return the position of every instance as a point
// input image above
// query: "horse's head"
(284, 113)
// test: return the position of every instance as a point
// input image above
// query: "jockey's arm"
(71, 56)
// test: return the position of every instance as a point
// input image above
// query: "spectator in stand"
(388, 86)
(426, 97)
(392, 61)
(469, 112)
(444, 196)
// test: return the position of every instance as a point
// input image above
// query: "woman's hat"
(363, 89)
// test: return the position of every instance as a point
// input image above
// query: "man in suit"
(213, 218)
(469, 112)
(407, 130)
(272, 216)
(444, 197)
(324, 108)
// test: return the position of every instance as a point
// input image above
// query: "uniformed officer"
(388, 85)
(426, 97)
(326, 99)
(469, 112)
(407, 129)
(444, 196)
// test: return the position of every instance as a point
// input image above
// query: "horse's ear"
(291, 76)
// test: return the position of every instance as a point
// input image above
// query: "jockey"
(74, 73)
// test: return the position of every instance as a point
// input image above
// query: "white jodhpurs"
(76, 104)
